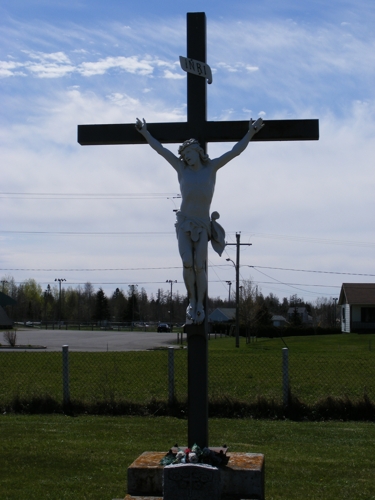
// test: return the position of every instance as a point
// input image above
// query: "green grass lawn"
(319, 366)
(86, 457)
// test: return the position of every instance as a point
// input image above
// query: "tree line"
(85, 304)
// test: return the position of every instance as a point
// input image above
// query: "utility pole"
(229, 283)
(170, 309)
(60, 280)
(47, 294)
(132, 288)
(237, 266)
(335, 299)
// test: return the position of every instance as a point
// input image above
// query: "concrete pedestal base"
(242, 478)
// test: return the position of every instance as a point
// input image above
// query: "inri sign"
(196, 68)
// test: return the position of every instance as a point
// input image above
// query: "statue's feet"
(200, 315)
(190, 313)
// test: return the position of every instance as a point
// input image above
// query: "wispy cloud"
(128, 64)
(123, 100)
(237, 67)
(173, 76)
(58, 64)
(56, 57)
(10, 68)
(49, 70)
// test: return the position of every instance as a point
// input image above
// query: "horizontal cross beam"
(231, 131)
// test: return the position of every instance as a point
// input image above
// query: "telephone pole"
(60, 280)
(237, 266)
(335, 299)
(171, 304)
(132, 296)
(229, 283)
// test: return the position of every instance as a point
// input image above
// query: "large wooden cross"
(197, 125)
(204, 131)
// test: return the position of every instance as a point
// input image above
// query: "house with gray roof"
(279, 321)
(5, 300)
(222, 314)
(357, 301)
(301, 313)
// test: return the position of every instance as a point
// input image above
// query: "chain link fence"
(264, 371)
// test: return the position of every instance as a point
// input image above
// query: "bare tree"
(10, 338)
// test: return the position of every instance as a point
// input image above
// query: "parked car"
(164, 327)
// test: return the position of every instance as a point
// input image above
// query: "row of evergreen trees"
(84, 304)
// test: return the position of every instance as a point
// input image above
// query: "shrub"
(10, 338)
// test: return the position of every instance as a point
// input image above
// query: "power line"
(175, 267)
(88, 196)
(92, 269)
(141, 233)
(69, 282)
(295, 284)
(310, 271)
(92, 233)
(308, 239)
(295, 287)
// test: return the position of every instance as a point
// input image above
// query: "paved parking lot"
(79, 340)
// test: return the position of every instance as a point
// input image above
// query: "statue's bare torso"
(197, 190)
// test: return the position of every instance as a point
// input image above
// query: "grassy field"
(56, 457)
(341, 366)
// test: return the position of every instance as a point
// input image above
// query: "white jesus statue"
(197, 177)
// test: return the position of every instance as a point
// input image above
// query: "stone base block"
(191, 481)
(131, 497)
(145, 474)
(242, 478)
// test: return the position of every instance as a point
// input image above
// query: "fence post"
(285, 351)
(170, 375)
(65, 357)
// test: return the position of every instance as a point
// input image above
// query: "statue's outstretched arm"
(141, 126)
(238, 148)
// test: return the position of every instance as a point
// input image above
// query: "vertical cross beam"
(196, 85)
(197, 384)
(197, 335)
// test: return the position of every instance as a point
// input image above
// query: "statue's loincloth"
(195, 225)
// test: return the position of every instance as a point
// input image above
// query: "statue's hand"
(140, 125)
(256, 126)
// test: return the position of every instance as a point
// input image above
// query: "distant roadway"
(82, 340)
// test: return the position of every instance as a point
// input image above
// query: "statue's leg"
(200, 273)
(185, 246)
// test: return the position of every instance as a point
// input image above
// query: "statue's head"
(192, 144)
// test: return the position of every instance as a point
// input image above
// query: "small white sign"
(196, 67)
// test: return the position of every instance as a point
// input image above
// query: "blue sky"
(303, 206)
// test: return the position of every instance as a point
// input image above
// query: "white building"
(357, 301)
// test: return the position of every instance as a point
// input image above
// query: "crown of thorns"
(187, 143)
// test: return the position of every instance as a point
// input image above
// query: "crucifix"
(203, 131)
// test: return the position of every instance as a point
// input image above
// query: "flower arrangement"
(195, 455)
